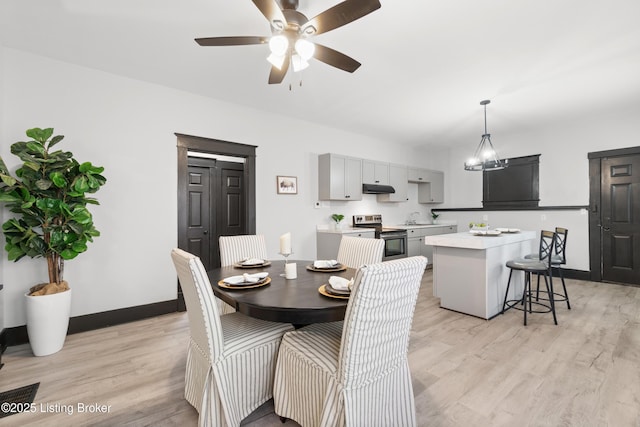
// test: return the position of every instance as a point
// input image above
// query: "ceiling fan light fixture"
(276, 60)
(278, 45)
(278, 25)
(298, 62)
(305, 49)
(485, 157)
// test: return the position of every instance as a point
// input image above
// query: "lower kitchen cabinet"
(328, 242)
(416, 235)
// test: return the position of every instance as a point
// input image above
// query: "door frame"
(595, 204)
(186, 143)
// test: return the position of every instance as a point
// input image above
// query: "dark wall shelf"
(539, 208)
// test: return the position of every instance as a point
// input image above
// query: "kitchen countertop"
(467, 240)
(343, 230)
(413, 226)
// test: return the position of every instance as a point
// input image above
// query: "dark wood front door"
(621, 219)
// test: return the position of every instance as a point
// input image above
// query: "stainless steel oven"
(395, 239)
(395, 244)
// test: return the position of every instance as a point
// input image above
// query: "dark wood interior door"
(215, 206)
(200, 223)
(620, 216)
(231, 215)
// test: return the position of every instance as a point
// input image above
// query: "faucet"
(412, 218)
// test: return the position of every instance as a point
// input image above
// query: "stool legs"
(564, 288)
(506, 294)
(551, 300)
(527, 295)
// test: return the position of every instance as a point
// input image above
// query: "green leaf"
(58, 179)
(43, 184)
(55, 140)
(7, 179)
(79, 247)
(35, 147)
(14, 253)
(40, 135)
(81, 185)
(68, 254)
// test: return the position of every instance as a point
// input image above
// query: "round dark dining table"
(295, 301)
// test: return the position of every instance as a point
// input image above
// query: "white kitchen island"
(469, 272)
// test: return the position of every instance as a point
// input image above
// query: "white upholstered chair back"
(202, 309)
(237, 248)
(377, 323)
(355, 252)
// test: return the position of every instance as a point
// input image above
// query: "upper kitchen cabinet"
(398, 180)
(417, 175)
(375, 172)
(431, 188)
(339, 177)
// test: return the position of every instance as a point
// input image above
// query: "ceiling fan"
(291, 30)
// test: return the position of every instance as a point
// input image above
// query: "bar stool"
(558, 259)
(539, 266)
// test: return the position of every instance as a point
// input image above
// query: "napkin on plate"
(246, 278)
(252, 261)
(340, 283)
(325, 263)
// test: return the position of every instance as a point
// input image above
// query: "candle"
(285, 244)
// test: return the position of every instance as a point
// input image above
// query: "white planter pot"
(48, 321)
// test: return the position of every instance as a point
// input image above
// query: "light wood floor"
(466, 371)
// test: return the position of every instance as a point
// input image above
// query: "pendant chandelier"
(485, 158)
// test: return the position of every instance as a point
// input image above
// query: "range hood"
(377, 189)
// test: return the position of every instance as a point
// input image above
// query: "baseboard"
(570, 273)
(18, 335)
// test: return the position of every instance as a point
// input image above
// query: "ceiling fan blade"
(277, 75)
(232, 41)
(335, 58)
(339, 15)
(271, 10)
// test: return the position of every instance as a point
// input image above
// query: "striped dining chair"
(231, 358)
(238, 248)
(354, 252)
(234, 249)
(355, 372)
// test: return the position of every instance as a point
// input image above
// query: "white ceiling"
(426, 65)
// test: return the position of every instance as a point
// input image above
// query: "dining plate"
(493, 233)
(245, 285)
(508, 230)
(264, 264)
(339, 267)
(323, 291)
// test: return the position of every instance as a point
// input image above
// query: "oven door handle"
(393, 235)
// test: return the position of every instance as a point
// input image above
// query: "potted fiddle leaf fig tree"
(48, 197)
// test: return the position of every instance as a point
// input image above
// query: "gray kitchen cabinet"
(416, 235)
(328, 242)
(398, 180)
(432, 190)
(374, 172)
(339, 177)
(427, 250)
(417, 175)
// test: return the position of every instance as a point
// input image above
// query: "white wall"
(564, 173)
(128, 127)
(2, 136)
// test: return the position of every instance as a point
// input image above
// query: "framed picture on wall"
(287, 184)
